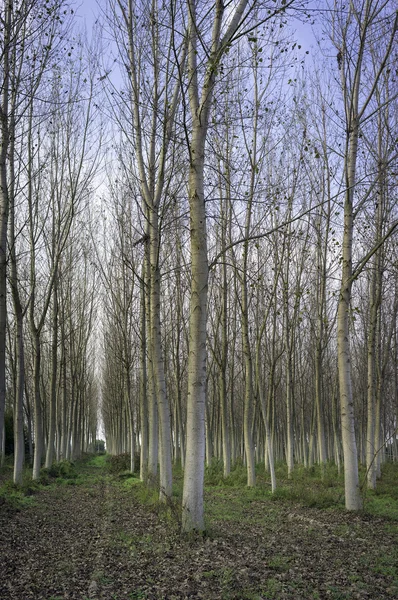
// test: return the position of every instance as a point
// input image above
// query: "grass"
(315, 487)
(214, 475)
(98, 461)
(383, 501)
(312, 488)
(63, 473)
(386, 564)
(17, 497)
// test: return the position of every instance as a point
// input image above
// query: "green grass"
(22, 496)
(314, 487)
(381, 505)
(137, 595)
(98, 461)
(383, 501)
(64, 469)
(311, 488)
(17, 497)
(214, 475)
(386, 564)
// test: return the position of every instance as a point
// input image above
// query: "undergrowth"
(314, 487)
(15, 496)
(214, 474)
(121, 463)
(64, 469)
(383, 501)
(168, 509)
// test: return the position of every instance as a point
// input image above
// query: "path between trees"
(97, 541)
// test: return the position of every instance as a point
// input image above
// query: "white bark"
(200, 103)
(353, 500)
(4, 209)
(351, 66)
(143, 385)
(158, 366)
(193, 514)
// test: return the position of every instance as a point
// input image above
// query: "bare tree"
(354, 32)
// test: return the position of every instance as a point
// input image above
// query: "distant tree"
(99, 446)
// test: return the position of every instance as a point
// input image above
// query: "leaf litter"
(97, 541)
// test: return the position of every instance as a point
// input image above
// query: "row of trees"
(49, 154)
(239, 298)
(289, 183)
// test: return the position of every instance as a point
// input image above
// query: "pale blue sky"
(89, 10)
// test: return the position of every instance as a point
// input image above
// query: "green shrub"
(120, 463)
(306, 495)
(99, 447)
(62, 470)
(237, 477)
(14, 496)
(214, 474)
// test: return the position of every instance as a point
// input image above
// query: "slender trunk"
(192, 514)
(130, 412)
(19, 441)
(192, 500)
(158, 364)
(38, 410)
(248, 403)
(143, 387)
(265, 414)
(371, 381)
(64, 417)
(223, 367)
(28, 413)
(336, 436)
(319, 399)
(353, 499)
(289, 404)
(153, 429)
(373, 419)
(54, 375)
(323, 234)
(4, 210)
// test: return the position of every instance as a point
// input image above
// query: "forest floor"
(102, 537)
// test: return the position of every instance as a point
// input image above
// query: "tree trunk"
(143, 386)
(19, 441)
(158, 365)
(192, 503)
(54, 375)
(4, 209)
(353, 499)
(38, 410)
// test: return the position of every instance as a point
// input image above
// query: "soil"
(99, 542)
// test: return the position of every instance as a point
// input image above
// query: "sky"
(89, 10)
(305, 34)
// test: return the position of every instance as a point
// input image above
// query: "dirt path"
(95, 541)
